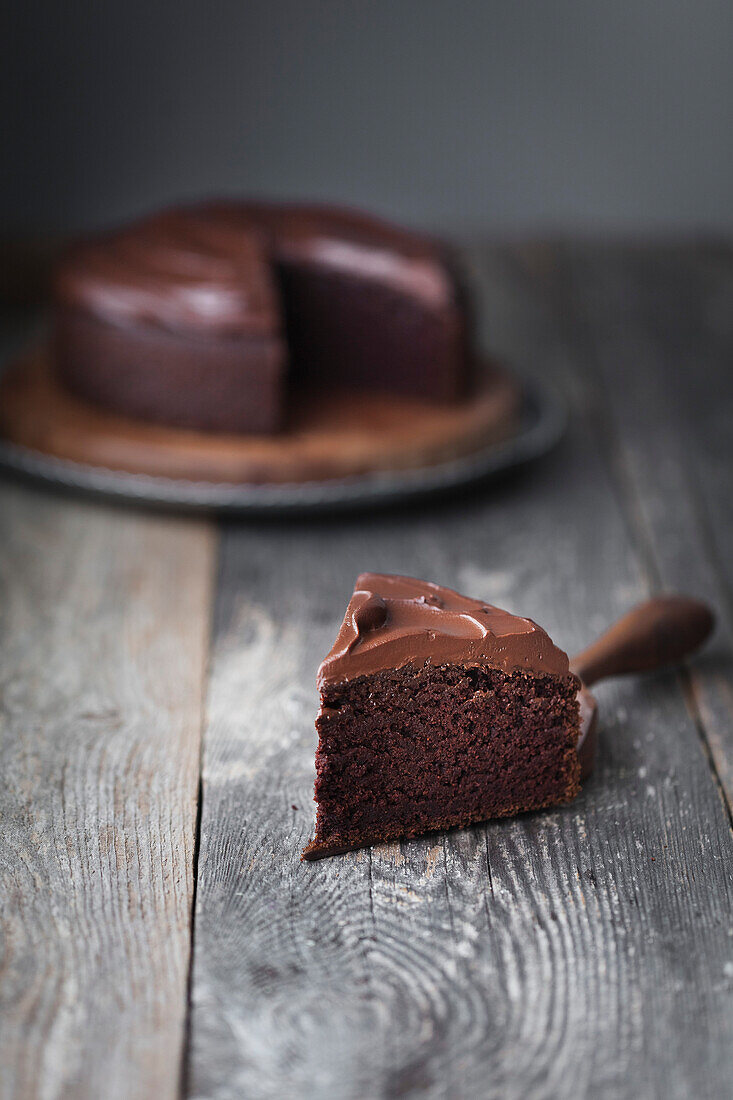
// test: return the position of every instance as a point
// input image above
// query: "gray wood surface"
(655, 327)
(584, 952)
(103, 634)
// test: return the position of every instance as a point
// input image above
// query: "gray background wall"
(493, 116)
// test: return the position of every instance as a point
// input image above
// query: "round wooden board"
(341, 449)
(331, 435)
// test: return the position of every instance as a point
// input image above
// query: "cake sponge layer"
(407, 751)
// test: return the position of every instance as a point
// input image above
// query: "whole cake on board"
(436, 711)
(214, 316)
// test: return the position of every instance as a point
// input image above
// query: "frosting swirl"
(393, 621)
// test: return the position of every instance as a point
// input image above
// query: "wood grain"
(653, 326)
(103, 632)
(583, 952)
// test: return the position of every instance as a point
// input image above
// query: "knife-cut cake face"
(437, 711)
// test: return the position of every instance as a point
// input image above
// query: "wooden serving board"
(331, 435)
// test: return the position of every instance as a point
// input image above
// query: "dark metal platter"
(542, 424)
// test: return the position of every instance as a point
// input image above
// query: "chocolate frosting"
(179, 270)
(394, 621)
(208, 268)
(588, 738)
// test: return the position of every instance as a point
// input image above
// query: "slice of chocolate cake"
(437, 711)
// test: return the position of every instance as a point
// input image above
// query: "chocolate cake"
(211, 317)
(437, 711)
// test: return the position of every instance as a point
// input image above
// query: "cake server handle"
(659, 632)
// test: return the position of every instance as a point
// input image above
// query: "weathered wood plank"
(103, 634)
(655, 328)
(580, 952)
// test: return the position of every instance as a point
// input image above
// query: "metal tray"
(542, 424)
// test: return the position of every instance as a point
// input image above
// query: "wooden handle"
(659, 632)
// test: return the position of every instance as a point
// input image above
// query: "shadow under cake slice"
(437, 711)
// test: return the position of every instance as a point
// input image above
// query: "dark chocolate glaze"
(181, 270)
(588, 738)
(394, 621)
(205, 268)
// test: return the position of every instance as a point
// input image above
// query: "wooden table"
(159, 933)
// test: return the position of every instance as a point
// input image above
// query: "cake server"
(660, 632)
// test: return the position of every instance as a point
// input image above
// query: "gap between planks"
(594, 288)
(105, 637)
(600, 297)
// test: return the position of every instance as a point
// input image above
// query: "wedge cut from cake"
(437, 711)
